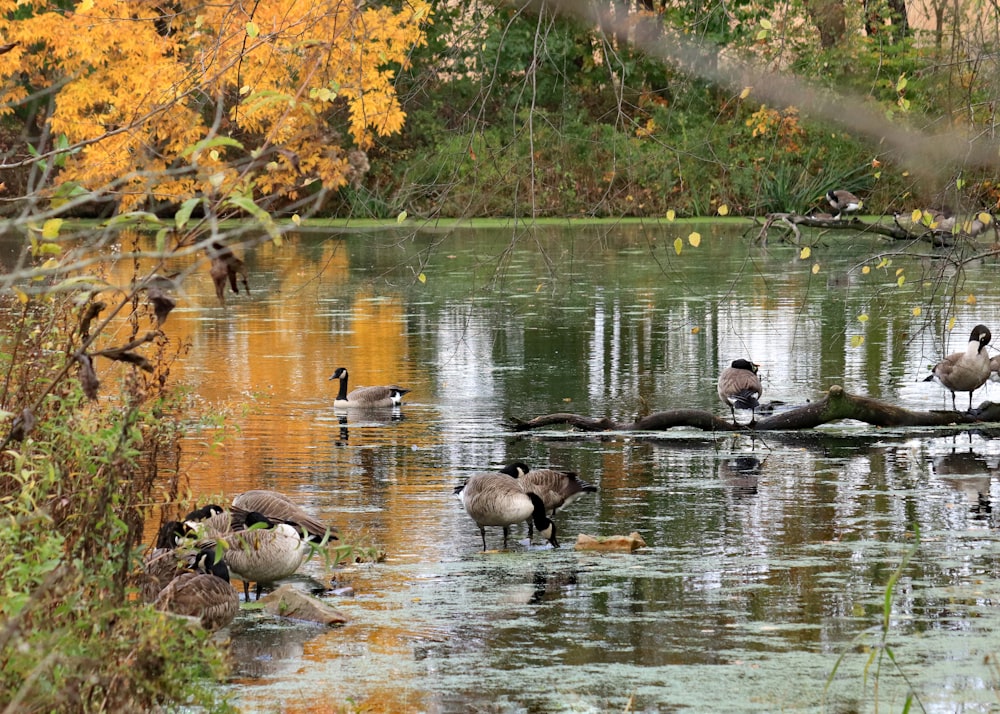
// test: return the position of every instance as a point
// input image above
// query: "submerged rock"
(287, 601)
(610, 543)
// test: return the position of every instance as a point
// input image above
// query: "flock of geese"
(263, 536)
(740, 388)
(940, 220)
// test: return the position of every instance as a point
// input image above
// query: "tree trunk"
(830, 19)
(835, 406)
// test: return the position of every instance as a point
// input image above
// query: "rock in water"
(286, 601)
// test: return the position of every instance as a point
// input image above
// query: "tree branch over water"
(835, 406)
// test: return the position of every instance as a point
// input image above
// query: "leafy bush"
(76, 477)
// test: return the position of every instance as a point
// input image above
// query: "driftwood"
(895, 230)
(836, 405)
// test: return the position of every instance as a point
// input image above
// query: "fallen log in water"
(835, 406)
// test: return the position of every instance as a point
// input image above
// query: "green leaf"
(183, 214)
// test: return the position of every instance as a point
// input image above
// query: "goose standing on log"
(371, 397)
(496, 499)
(739, 387)
(842, 202)
(557, 489)
(965, 371)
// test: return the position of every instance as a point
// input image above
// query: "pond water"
(763, 583)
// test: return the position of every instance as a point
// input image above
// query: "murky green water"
(768, 558)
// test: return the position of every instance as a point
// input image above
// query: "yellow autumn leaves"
(291, 85)
(694, 238)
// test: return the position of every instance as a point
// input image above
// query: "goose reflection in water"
(741, 474)
(968, 473)
(259, 652)
(361, 417)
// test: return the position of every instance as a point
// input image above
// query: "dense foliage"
(78, 475)
(475, 109)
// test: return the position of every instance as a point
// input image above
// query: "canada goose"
(266, 553)
(941, 220)
(979, 223)
(842, 202)
(965, 371)
(557, 489)
(278, 508)
(739, 387)
(205, 592)
(163, 562)
(208, 521)
(495, 499)
(388, 396)
(995, 368)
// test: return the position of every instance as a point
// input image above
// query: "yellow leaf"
(900, 280)
(695, 330)
(723, 210)
(971, 300)
(252, 29)
(694, 239)
(85, 6)
(671, 214)
(422, 278)
(50, 229)
(805, 253)
(746, 92)
(863, 318)
(765, 23)
(917, 311)
(297, 219)
(678, 245)
(865, 270)
(21, 295)
(899, 271)
(901, 83)
(985, 218)
(815, 268)
(917, 215)
(951, 324)
(401, 217)
(857, 340)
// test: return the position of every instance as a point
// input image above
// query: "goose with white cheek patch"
(370, 397)
(496, 499)
(965, 371)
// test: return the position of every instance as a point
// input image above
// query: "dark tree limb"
(791, 222)
(835, 406)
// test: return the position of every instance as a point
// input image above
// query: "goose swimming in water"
(371, 397)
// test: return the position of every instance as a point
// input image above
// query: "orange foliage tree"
(156, 102)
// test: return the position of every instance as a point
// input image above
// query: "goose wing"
(556, 488)
(280, 509)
